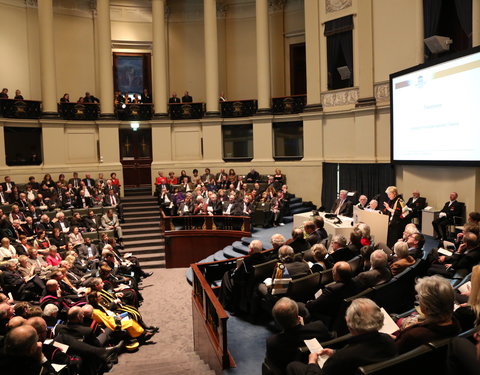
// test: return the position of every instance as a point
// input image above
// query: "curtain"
(464, 13)
(346, 43)
(333, 48)
(368, 179)
(329, 185)
(431, 16)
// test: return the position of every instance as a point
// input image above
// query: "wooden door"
(136, 157)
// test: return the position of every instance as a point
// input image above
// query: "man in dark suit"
(88, 251)
(75, 181)
(342, 206)
(89, 182)
(282, 348)
(366, 346)
(312, 236)
(62, 223)
(34, 213)
(92, 222)
(467, 256)
(252, 176)
(174, 99)
(7, 186)
(232, 207)
(340, 250)
(379, 272)
(326, 306)
(83, 201)
(298, 243)
(4, 197)
(218, 176)
(186, 98)
(113, 200)
(415, 205)
(451, 209)
(68, 201)
(83, 342)
(362, 202)
(186, 207)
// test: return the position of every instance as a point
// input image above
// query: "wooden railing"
(134, 112)
(79, 111)
(288, 104)
(13, 108)
(189, 239)
(186, 111)
(209, 325)
(239, 108)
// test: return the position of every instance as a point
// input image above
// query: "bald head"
(285, 313)
(75, 314)
(87, 310)
(21, 341)
(342, 271)
(255, 246)
(52, 285)
(40, 326)
(16, 321)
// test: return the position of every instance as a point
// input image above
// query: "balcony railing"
(288, 104)
(239, 108)
(186, 111)
(79, 111)
(13, 108)
(134, 112)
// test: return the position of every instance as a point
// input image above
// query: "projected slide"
(436, 112)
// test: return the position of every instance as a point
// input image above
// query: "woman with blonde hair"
(403, 259)
(319, 253)
(394, 207)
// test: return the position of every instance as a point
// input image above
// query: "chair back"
(304, 288)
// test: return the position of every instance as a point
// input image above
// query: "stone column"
(211, 55)
(47, 57)
(263, 56)
(105, 58)
(312, 51)
(160, 97)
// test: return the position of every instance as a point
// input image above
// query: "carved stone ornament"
(382, 92)
(336, 5)
(340, 98)
(276, 5)
(31, 3)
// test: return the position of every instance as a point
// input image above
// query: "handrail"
(207, 222)
(214, 320)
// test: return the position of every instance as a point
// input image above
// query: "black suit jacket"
(345, 210)
(360, 350)
(343, 254)
(80, 204)
(4, 185)
(329, 302)
(466, 260)
(298, 245)
(174, 100)
(455, 209)
(92, 182)
(417, 206)
(92, 223)
(187, 99)
(282, 348)
(235, 210)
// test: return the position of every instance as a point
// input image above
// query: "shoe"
(147, 274)
(282, 224)
(147, 336)
(153, 329)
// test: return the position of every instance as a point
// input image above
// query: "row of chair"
(68, 211)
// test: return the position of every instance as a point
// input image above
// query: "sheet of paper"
(389, 326)
(268, 281)
(58, 368)
(465, 288)
(319, 293)
(62, 347)
(445, 252)
(314, 346)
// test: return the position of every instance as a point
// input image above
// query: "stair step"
(150, 207)
(149, 235)
(300, 210)
(287, 219)
(140, 224)
(142, 243)
(146, 250)
(141, 214)
(142, 219)
(295, 205)
(148, 229)
(137, 197)
(239, 247)
(219, 255)
(153, 264)
(149, 257)
(229, 252)
(294, 200)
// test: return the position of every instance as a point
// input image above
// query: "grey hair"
(341, 240)
(59, 213)
(378, 259)
(278, 239)
(364, 229)
(255, 246)
(436, 294)
(401, 249)
(50, 310)
(285, 313)
(364, 315)
(411, 228)
(286, 253)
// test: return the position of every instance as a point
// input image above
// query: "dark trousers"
(440, 227)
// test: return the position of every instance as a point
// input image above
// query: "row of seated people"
(63, 194)
(221, 179)
(86, 297)
(323, 309)
(39, 230)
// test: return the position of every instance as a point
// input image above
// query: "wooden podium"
(377, 221)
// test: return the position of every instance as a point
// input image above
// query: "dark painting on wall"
(130, 73)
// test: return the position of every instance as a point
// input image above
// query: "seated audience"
(340, 250)
(298, 242)
(282, 348)
(366, 346)
(378, 273)
(435, 296)
(402, 258)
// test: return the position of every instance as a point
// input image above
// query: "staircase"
(171, 364)
(141, 230)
